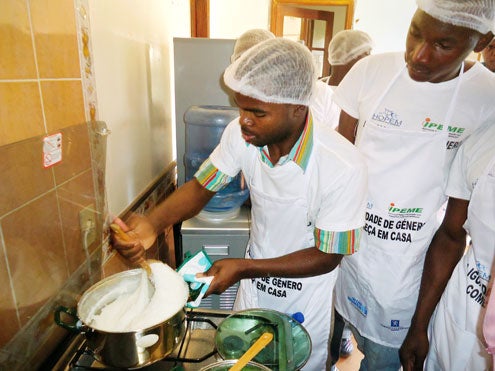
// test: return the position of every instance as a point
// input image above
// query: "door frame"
(348, 4)
(200, 18)
(308, 17)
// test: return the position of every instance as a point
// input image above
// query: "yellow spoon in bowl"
(253, 350)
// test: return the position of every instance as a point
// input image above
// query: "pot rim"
(117, 276)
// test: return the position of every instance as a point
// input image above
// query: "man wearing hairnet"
(455, 333)
(344, 50)
(307, 185)
(408, 113)
(249, 39)
(489, 56)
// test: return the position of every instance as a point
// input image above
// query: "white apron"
(281, 226)
(460, 312)
(378, 286)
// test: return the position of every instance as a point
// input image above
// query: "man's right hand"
(414, 350)
(140, 235)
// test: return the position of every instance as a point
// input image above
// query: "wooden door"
(200, 18)
(310, 21)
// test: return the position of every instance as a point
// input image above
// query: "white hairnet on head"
(478, 15)
(249, 39)
(347, 45)
(274, 71)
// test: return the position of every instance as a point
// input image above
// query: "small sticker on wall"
(52, 150)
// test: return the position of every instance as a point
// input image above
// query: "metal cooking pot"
(132, 349)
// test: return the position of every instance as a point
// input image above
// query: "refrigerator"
(198, 69)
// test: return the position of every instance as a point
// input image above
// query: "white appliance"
(199, 64)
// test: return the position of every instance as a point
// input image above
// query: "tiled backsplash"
(40, 79)
(41, 240)
(41, 93)
(43, 260)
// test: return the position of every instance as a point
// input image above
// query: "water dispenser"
(204, 128)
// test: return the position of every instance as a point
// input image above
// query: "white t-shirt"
(417, 106)
(471, 160)
(322, 105)
(459, 314)
(337, 193)
(370, 90)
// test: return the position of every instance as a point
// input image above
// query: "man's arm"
(347, 126)
(445, 251)
(303, 263)
(182, 204)
(187, 201)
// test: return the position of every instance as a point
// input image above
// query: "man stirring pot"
(307, 185)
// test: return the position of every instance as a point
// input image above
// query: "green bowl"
(227, 364)
(236, 333)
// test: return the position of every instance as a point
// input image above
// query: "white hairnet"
(347, 45)
(274, 71)
(249, 39)
(478, 15)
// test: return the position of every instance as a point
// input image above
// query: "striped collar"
(300, 152)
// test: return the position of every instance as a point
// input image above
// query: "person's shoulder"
(380, 59)
(233, 129)
(232, 135)
(478, 147)
(478, 92)
(322, 89)
(476, 153)
(335, 150)
(482, 137)
(322, 86)
(378, 66)
(479, 74)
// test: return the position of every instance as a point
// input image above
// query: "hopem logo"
(388, 117)
(358, 305)
(404, 212)
(483, 271)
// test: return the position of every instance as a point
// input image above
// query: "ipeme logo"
(454, 131)
(388, 117)
(404, 212)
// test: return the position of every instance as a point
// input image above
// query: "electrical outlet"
(87, 222)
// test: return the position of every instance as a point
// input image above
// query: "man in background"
(344, 50)
(452, 333)
(249, 39)
(488, 55)
(408, 113)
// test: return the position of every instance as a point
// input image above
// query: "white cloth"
(378, 286)
(287, 203)
(456, 337)
(322, 105)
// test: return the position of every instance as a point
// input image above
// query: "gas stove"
(196, 350)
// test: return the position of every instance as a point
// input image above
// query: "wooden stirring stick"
(143, 263)
(262, 342)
